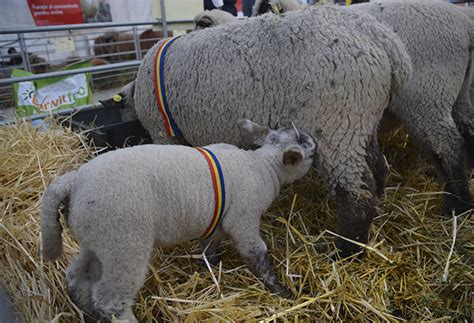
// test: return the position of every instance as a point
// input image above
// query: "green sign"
(48, 95)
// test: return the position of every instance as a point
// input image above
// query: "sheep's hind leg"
(445, 143)
(123, 274)
(378, 165)
(253, 249)
(355, 214)
(463, 115)
(81, 274)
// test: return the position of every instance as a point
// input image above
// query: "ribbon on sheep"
(171, 128)
(219, 190)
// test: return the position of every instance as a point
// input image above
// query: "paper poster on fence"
(48, 95)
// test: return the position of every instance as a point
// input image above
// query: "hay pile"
(413, 269)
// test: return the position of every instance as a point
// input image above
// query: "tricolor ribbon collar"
(171, 128)
(219, 190)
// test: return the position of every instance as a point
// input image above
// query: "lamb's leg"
(211, 250)
(443, 140)
(123, 274)
(378, 165)
(253, 249)
(81, 274)
(355, 214)
(211, 246)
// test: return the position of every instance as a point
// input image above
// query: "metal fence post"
(87, 47)
(47, 51)
(164, 23)
(136, 40)
(24, 52)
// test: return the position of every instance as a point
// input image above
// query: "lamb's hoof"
(213, 260)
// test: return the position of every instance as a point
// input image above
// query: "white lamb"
(124, 203)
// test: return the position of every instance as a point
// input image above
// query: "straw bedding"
(419, 266)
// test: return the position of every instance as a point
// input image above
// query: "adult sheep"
(329, 71)
(435, 105)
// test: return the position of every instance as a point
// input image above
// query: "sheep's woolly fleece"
(217, 75)
(434, 105)
(418, 266)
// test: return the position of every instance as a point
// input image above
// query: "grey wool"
(124, 203)
(436, 105)
(328, 70)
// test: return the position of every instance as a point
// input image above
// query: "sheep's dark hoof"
(458, 209)
(212, 259)
(346, 249)
(456, 205)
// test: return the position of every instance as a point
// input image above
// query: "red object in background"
(56, 12)
(239, 5)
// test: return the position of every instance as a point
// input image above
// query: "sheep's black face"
(203, 22)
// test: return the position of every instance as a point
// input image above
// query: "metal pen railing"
(37, 53)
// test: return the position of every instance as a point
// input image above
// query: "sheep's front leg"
(439, 134)
(253, 249)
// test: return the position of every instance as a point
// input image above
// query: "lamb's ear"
(252, 131)
(292, 156)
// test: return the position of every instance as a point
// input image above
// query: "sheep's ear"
(261, 7)
(204, 22)
(252, 131)
(292, 156)
(114, 102)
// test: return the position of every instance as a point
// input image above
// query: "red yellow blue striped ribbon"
(161, 101)
(219, 190)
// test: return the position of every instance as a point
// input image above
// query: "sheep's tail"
(57, 192)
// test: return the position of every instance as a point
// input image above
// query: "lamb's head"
(295, 148)
(212, 18)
